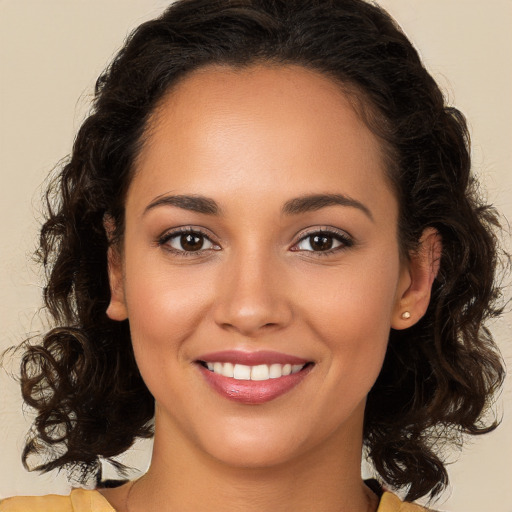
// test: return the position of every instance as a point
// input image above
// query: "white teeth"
(275, 371)
(242, 372)
(258, 372)
(227, 370)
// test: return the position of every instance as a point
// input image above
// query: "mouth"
(253, 378)
(260, 372)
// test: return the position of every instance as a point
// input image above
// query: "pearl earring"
(406, 315)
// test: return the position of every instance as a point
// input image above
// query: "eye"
(323, 241)
(187, 241)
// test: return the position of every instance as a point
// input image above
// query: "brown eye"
(190, 241)
(323, 242)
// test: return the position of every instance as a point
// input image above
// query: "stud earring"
(406, 315)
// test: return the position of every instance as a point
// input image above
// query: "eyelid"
(342, 236)
(167, 235)
(345, 238)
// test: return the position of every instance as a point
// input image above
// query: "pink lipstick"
(252, 377)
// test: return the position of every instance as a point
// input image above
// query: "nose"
(252, 296)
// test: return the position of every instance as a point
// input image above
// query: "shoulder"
(50, 502)
(391, 503)
(79, 500)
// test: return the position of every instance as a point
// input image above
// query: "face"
(260, 268)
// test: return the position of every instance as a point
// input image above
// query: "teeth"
(275, 371)
(242, 372)
(259, 372)
(227, 370)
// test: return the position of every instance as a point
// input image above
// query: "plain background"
(50, 55)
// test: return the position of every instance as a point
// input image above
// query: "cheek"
(164, 306)
(350, 309)
(358, 296)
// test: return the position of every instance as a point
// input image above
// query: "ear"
(415, 286)
(116, 309)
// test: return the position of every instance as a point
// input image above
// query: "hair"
(438, 377)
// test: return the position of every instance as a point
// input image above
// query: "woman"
(268, 229)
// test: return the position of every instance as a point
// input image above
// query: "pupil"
(191, 242)
(321, 242)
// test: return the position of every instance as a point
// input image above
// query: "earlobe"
(423, 267)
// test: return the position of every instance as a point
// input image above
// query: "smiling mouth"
(252, 377)
(260, 372)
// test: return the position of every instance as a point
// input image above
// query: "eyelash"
(343, 238)
(164, 240)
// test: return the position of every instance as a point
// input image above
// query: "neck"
(181, 477)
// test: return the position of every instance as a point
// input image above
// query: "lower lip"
(253, 391)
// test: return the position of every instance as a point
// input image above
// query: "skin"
(253, 140)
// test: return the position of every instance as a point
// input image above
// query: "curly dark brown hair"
(439, 376)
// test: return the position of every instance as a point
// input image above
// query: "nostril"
(252, 314)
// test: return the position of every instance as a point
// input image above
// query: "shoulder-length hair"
(438, 376)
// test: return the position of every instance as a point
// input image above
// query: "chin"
(257, 455)
(259, 444)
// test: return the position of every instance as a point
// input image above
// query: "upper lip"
(251, 358)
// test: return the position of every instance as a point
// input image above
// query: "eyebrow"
(296, 206)
(314, 202)
(194, 203)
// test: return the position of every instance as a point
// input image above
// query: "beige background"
(51, 51)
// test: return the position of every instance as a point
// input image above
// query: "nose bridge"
(252, 293)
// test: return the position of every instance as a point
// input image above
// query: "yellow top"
(81, 500)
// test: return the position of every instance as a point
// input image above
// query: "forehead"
(287, 125)
(257, 93)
